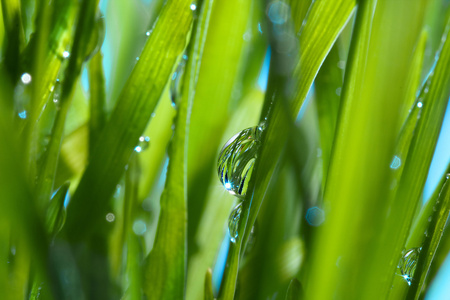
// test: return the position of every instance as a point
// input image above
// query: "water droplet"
(110, 217)
(408, 263)
(338, 91)
(176, 82)
(193, 6)
(419, 104)
(236, 160)
(319, 152)
(66, 54)
(23, 114)
(56, 93)
(430, 218)
(233, 223)
(315, 216)
(251, 239)
(434, 208)
(139, 227)
(137, 58)
(341, 64)
(97, 36)
(278, 12)
(144, 142)
(396, 162)
(247, 36)
(447, 176)
(148, 33)
(260, 28)
(26, 78)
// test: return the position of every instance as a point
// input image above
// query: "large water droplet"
(139, 227)
(144, 142)
(408, 264)
(278, 12)
(233, 223)
(176, 83)
(236, 161)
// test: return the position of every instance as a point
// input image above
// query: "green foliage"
(346, 137)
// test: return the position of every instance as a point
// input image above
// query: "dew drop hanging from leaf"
(237, 158)
(233, 222)
(176, 81)
(408, 264)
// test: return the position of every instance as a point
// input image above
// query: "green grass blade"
(165, 269)
(97, 99)
(294, 291)
(129, 118)
(323, 23)
(435, 232)
(327, 85)
(224, 48)
(44, 184)
(356, 192)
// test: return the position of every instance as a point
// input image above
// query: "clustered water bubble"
(235, 166)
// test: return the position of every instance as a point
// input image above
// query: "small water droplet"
(338, 91)
(419, 104)
(408, 263)
(26, 78)
(260, 28)
(193, 6)
(176, 83)
(66, 54)
(236, 160)
(315, 216)
(144, 142)
(396, 162)
(137, 58)
(233, 223)
(319, 152)
(23, 114)
(110, 217)
(434, 208)
(341, 64)
(148, 32)
(447, 176)
(278, 12)
(247, 36)
(430, 218)
(139, 227)
(252, 238)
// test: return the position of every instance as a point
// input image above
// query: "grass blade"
(129, 118)
(435, 232)
(294, 291)
(323, 23)
(165, 269)
(208, 286)
(97, 99)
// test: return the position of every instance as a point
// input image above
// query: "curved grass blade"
(323, 24)
(165, 267)
(129, 118)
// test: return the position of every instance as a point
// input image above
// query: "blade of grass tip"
(323, 24)
(294, 291)
(432, 240)
(165, 267)
(97, 99)
(208, 285)
(15, 36)
(44, 184)
(299, 9)
(435, 94)
(355, 198)
(129, 118)
(328, 89)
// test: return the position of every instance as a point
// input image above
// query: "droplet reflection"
(233, 223)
